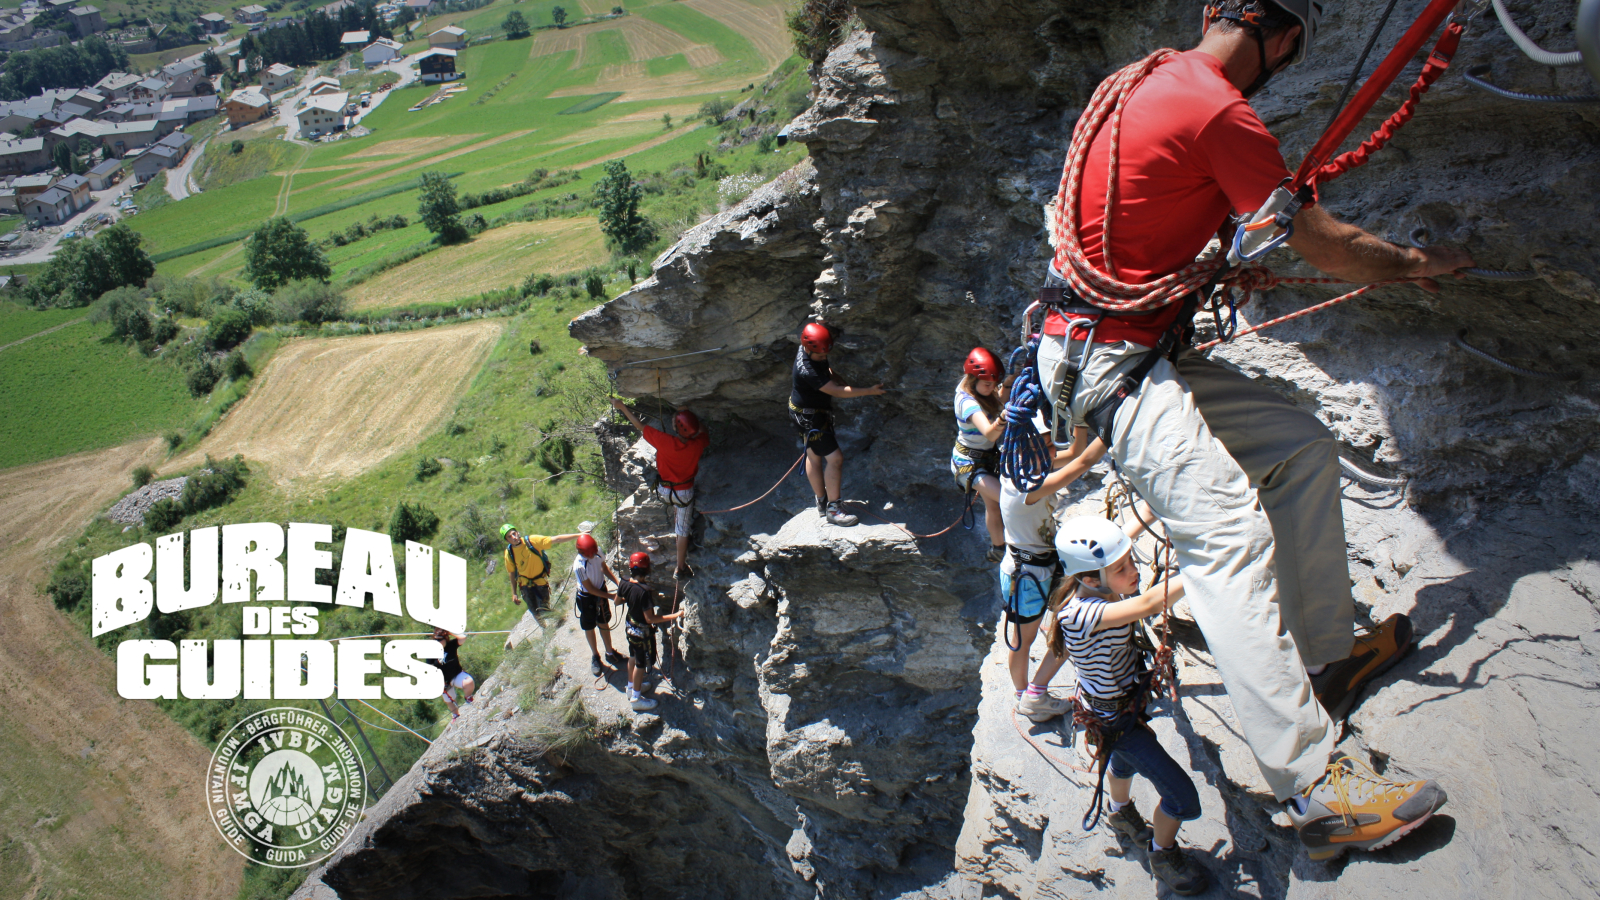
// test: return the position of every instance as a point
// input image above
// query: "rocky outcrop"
(837, 725)
(130, 510)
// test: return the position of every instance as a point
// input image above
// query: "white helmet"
(1089, 544)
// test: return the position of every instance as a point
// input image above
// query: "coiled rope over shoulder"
(1103, 288)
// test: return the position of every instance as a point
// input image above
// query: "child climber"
(974, 461)
(1097, 609)
(811, 411)
(1029, 570)
(641, 619)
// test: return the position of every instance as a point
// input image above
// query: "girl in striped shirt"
(1096, 610)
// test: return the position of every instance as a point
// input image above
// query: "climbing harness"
(1013, 617)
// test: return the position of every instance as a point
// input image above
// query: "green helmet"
(506, 529)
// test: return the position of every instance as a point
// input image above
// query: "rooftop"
(327, 103)
(356, 37)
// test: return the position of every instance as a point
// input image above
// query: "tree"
(62, 157)
(128, 263)
(281, 251)
(616, 10)
(438, 208)
(619, 209)
(666, 121)
(213, 62)
(515, 25)
(83, 270)
(559, 15)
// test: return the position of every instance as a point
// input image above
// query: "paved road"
(42, 252)
(179, 183)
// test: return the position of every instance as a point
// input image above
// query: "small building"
(93, 100)
(181, 68)
(252, 14)
(277, 77)
(190, 109)
(23, 155)
(86, 20)
(149, 89)
(246, 105)
(78, 187)
(104, 175)
(190, 84)
(437, 65)
(8, 200)
(212, 23)
(450, 37)
(323, 113)
(325, 85)
(381, 51)
(116, 85)
(49, 207)
(420, 7)
(164, 154)
(354, 39)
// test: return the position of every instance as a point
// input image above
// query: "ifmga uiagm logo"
(286, 788)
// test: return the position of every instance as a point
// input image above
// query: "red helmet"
(982, 363)
(587, 545)
(816, 338)
(640, 562)
(686, 423)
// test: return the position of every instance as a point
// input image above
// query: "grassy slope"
(497, 415)
(74, 390)
(17, 321)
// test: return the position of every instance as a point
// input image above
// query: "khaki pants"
(1185, 440)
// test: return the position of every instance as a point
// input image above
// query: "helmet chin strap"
(1266, 71)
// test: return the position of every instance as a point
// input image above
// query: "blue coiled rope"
(1025, 452)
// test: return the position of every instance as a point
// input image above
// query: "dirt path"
(335, 407)
(118, 784)
(51, 330)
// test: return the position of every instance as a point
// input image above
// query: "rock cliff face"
(838, 724)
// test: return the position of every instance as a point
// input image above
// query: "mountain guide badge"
(285, 788)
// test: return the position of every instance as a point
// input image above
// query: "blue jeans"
(1138, 752)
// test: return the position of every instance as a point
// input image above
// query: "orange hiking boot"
(1374, 652)
(1352, 808)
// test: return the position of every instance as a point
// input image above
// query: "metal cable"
(1365, 476)
(1355, 73)
(1474, 78)
(1419, 239)
(1587, 27)
(1461, 341)
(1524, 43)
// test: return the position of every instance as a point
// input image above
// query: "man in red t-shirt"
(1246, 482)
(677, 462)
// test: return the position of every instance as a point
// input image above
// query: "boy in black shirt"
(811, 411)
(641, 621)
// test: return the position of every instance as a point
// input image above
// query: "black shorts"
(816, 429)
(592, 612)
(643, 651)
(535, 596)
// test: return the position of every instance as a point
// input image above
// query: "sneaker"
(595, 668)
(1177, 871)
(1339, 685)
(1044, 707)
(837, 516)
(1130, 824)
(996, 554)
(616, 659)
(1352, 808)
(642, 704)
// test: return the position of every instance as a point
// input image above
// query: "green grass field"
(17, 321)
(495, 142)
(74, 390)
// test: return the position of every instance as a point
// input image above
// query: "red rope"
(713, 512)
(959, 516)
(1308, 310)
(1438, 62)
(1054, 760)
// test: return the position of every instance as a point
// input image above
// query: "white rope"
(409, 634)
